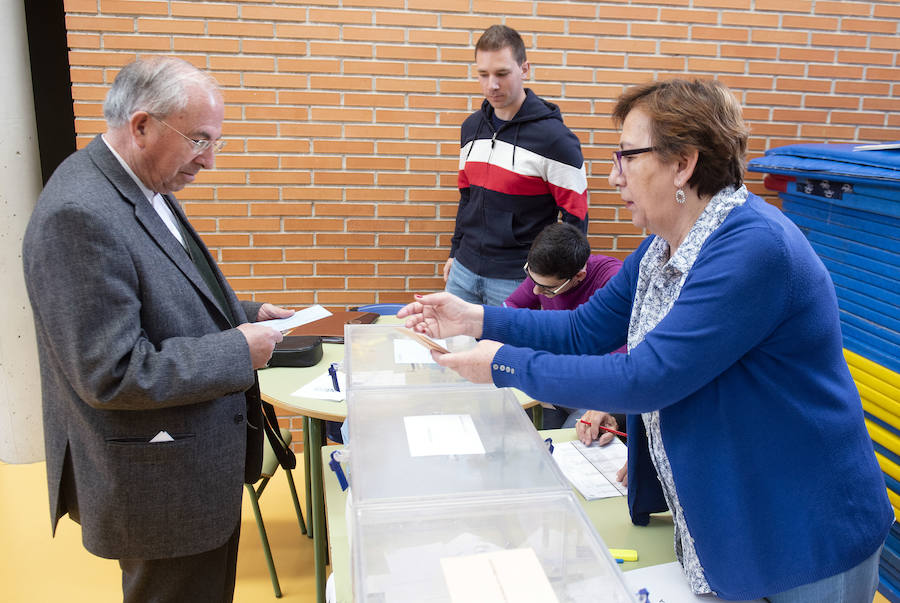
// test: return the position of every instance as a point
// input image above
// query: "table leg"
(307, 477)
(320, 530)
(537, 416)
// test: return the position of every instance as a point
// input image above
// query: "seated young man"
(561, 274)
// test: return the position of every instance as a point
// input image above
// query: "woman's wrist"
(477, 321)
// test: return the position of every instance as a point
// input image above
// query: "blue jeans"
(476, 289)
(856, 585)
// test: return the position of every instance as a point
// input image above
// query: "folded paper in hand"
(425, 340)
(300, 317)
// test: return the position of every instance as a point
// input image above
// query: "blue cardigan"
(759, 415)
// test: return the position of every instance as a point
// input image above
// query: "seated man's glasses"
(547, 290)
(200, 144)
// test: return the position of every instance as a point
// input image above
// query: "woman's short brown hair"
(698, 114)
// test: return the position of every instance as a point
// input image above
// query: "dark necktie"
(199, 258)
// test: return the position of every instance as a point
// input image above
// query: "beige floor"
(35, 567)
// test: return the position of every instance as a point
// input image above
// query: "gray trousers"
(202, 578)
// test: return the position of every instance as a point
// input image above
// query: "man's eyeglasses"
(617, 155)
(200, 144)
(546, 289)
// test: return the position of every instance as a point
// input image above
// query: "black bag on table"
(297, 351)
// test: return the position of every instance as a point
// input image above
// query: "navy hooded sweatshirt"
(513, 182)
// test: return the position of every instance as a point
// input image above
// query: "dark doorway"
(51, 82)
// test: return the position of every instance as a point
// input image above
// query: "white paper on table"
(323, 387)
(497, 577)
(409, 351)
(592, 469)
(433, 435)
(300, 317)
(665, 582)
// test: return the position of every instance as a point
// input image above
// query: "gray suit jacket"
(131, 342)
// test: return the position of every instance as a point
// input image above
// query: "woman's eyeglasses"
(617, 155)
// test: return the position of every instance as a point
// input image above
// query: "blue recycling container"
(848, 204)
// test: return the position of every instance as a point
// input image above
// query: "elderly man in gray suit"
(152, 414)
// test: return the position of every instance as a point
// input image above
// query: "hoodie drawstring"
(477, 131)
(515, 143)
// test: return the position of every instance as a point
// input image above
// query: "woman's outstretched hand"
(474, 364)
(443, 315)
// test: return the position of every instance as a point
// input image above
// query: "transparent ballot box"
(383, 356)
(421, 443)
(523, 548)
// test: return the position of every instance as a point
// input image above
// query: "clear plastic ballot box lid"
(416, 443)
(529, 548)
(383, 356)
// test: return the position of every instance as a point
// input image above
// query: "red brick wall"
(337, 185)
(338, 182)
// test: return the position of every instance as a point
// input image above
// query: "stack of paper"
(592, 469)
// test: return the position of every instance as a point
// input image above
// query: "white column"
(21, 433)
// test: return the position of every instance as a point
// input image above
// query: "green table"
(610, 516)
(276, 386)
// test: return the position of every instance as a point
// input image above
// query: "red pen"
(609, 429)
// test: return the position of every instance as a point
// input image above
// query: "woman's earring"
(680, 196)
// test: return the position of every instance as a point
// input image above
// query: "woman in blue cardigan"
(747, 423)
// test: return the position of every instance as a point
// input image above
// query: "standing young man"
(520, 168)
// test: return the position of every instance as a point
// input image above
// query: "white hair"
(155, 85)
